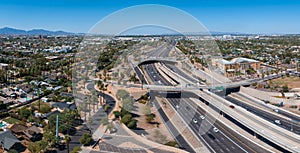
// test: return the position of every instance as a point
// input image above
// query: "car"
(195, 121)
(216, 129)
(231, 106)
(277, 121)
(202, 117)
(211, 136)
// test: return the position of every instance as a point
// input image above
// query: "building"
(236, 66)
(23, 132)
(9, 141)
(4, 66)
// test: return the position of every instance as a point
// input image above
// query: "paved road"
(155, 77)
(291, 116)
(181, 73)
(97, 117)
(286, 124)
(209, 137)
(224, 141)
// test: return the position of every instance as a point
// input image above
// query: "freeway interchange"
(215, 141)
(216, 136)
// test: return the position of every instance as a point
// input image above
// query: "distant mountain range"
(12, 31)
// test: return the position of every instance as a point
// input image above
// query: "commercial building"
(237, 66)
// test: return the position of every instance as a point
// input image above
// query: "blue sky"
(248, 16)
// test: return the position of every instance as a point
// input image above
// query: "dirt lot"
(291, 82)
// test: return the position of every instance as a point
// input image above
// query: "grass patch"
(11, 120)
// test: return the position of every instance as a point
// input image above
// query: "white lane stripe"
(221, 132)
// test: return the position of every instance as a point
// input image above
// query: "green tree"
(12, 151)
(126, 119)
(132, 124)
(150, 117)
(146, 110)
(106, 107)
(117, 114)
(122, 94)
(104, 121)
(68, 140)
(285, 88)
(127, 104)
(39, 146)
(76, 149)
(24, 112)
(86, 139)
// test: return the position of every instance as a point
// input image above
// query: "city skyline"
(268, 17)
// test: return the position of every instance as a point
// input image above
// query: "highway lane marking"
(235, 138)
(212, 125)
(191, 127)
(227, 149)
(229, 134)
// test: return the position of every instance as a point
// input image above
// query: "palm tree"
(68, 140)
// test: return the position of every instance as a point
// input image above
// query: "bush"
(293, 106)
(172, 143)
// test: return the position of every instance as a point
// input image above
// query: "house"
(24, 88)
(46, 116)
(17, 129)
(33, 133)
(23, 132)
(63, 105)
(9, 141)
(4, 66)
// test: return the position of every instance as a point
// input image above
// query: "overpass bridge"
(274, 134)
(169, 60)
(269, 131)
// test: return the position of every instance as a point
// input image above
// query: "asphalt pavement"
(284, 123)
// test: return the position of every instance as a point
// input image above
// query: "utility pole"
(56, 130)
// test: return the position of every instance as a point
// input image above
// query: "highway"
(220, 142)
(284, 113)
(286, 124)
(216, 141)
(272, 134)
(163, 50)
(181, 73)
(154, 76)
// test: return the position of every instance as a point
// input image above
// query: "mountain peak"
(13, 31)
